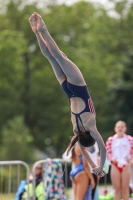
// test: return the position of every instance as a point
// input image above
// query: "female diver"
(73, 84)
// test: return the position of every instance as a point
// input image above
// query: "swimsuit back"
(80, 158)
(81, 92)
(77, 168)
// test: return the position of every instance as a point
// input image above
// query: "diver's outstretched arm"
(86, 155)
(96, 169)
(91, 127)
(97, 137)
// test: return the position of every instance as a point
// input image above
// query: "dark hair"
(84, 138)
(73, 152)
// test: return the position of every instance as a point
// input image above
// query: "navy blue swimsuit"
(81, 92)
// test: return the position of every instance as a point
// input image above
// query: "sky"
(69, 2)
(106, 3)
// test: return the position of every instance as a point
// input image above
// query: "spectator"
(80, 174)
(119, 152)
(24, 188)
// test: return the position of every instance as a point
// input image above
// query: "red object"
(119, 168)
(105, 192)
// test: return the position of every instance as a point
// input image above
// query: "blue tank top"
(81, 92)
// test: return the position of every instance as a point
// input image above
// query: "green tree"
(12, 46)
(16, 141)
(92, 39)
(123, 94)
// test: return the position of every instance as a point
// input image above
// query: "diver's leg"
(71, 71)
(56, 67)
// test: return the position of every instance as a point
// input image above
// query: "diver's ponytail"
(73, 141)
(85, 139)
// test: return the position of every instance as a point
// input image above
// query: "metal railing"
(18, 164)
(9, 172)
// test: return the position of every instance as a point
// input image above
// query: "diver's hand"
(98, 171)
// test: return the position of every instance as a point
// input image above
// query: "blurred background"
(34, 112)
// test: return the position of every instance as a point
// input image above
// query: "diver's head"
(84, 138)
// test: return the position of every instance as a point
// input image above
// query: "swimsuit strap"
(81, 122)
(77, 116)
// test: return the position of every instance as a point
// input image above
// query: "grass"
(7, 196)
(68, 192)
